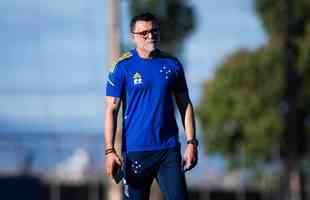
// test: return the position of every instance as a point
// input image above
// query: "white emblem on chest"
(166, 71)
(137, 78)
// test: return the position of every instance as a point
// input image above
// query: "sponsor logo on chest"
(137, 78)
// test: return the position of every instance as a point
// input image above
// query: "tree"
(258, 101)
(242, 105)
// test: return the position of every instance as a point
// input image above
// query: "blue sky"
(223, 27)
(53, 58)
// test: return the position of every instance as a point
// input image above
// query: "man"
(146, 80)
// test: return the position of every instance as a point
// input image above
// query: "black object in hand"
(118, 173)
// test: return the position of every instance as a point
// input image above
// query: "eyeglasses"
(144, 34)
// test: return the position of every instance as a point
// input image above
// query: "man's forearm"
(187, 115)
(189, 122)
(110, 128)
(112, 107)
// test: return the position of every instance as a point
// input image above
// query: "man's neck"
(146, 54)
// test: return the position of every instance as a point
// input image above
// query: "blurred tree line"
(256, 108)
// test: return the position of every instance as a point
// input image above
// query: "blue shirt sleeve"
(115, 82)
(180, 84)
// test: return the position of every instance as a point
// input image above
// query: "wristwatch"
(193, 141)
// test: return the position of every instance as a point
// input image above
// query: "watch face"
(193, 141)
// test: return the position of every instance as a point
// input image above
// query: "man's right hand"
(111, 160)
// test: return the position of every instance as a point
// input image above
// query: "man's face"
(145, 35)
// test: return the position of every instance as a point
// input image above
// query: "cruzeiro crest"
(137, 78)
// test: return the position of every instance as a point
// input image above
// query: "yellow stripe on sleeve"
(121, 58)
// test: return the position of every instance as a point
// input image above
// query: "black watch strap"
(193, 141)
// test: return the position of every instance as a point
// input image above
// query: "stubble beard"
(149, 46)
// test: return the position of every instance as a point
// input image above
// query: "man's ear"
(131, 37)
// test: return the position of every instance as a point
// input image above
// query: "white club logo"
(166, 71)
(137, 78)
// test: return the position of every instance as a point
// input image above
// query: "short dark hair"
(143, 17)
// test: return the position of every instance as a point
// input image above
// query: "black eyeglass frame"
(145, 33)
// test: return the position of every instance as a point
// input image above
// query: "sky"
(54, 59)
(52, 65)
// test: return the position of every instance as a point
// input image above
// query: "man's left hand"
(190, 157)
